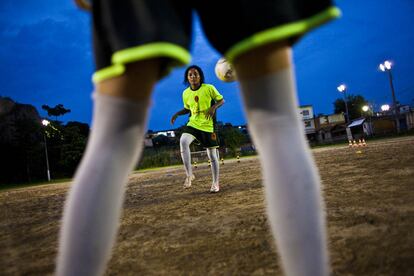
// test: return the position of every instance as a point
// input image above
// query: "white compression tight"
(185, 142)
(291, 179)
(212, 155)
(94, 204)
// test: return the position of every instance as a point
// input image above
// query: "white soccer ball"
(225, 71)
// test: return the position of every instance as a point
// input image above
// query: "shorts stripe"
(281, 32)
(108, 72)
(158, 49)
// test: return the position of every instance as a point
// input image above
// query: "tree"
(72, 146)
(355, 104)
(21, 149)
(231, 137)
(22, 143)
(58, 110)
(66, 144)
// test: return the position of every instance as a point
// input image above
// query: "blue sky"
(46, 58)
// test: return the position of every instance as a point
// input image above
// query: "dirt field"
(166, 230)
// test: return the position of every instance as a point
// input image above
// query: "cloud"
(46, 59)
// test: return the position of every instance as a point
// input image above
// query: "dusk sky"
(46, 58)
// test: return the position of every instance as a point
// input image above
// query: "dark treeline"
(24, 139)
(22, 144)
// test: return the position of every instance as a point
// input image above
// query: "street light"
(46, 123)
(385, 107)
(342, 89)
(368, 107)
(386, 67)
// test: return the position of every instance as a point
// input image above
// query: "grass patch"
(5, 187)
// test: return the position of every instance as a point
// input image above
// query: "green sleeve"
(215, 94)
(186, 106)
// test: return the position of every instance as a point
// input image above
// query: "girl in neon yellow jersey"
(197, 99)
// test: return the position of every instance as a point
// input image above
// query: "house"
(330, 128)
(323, 128)
(359, 129)
(406, 117)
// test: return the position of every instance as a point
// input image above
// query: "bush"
(152, 158)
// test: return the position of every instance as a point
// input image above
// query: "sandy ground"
(166, 230)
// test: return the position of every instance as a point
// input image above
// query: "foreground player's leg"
(185, 142)
(94, 203)
(212, 155)
(292, 183)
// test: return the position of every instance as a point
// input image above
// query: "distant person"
(197, 100)
(138, 42)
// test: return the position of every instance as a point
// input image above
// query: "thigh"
(136, 83)
(186, 139)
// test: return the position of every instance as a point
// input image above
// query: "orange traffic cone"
(364, 144)
(354, 143)
(350, 143)
(359, 143)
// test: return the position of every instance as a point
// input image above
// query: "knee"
(214, 160)
(212, 155)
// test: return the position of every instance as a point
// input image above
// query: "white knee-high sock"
(94, 204)
(185, 141)
(212, 155)
(291, 179)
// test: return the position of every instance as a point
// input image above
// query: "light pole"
(365, 109)
(46, 123)
(342, 89)
(386, 67)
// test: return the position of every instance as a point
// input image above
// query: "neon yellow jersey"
(198, 102)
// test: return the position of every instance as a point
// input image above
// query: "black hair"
(200, 72)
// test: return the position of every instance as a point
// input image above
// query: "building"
(382, 123)
(307, 116)
(323, 128)
(163, 137)
(331, 128)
